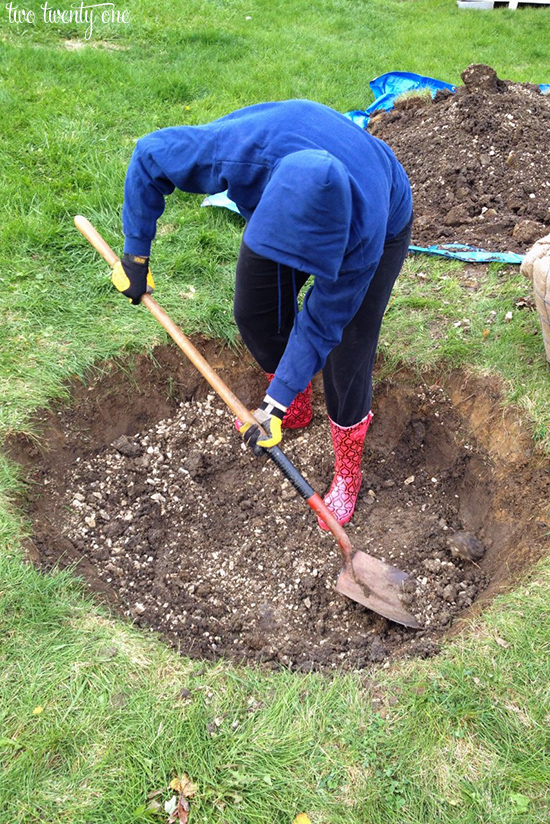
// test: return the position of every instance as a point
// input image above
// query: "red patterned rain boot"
(348, 448)
(300, 412)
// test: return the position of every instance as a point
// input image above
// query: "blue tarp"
(386, 89)
(470, 254)
(220, 199)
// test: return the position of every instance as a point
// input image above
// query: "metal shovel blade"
(376, 586)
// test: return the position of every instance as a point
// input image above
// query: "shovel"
(365, 579)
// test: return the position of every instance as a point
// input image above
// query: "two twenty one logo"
(78, 14)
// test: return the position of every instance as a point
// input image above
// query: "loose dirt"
(478, 161)
(144, 485)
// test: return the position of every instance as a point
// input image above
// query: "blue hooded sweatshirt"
(319, 195)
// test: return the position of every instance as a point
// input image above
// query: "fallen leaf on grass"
(526, 303)
(184, 786)
(178, 806)
(177, 809)
(502, 643)
(155, 793)
(37, 710)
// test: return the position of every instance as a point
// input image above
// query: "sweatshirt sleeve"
(312, 337)
(181, 157)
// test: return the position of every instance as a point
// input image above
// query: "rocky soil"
(478, 161)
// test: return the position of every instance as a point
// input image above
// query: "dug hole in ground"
(143, 486)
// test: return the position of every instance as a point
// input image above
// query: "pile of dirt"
(188, 533)
(478, 161)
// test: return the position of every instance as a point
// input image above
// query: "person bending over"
(321, 198)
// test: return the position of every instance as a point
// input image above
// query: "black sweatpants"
(265, 323)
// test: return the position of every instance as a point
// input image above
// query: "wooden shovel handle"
(231, 400)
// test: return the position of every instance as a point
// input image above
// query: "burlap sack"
(536, 266)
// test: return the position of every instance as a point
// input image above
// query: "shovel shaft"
(92, 235)
(231, 400)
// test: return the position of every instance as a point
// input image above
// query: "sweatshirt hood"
(303, 217)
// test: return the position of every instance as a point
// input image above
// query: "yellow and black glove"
(132, 277)
(270, 416)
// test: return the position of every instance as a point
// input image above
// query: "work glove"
(132, 277)
(270, 416)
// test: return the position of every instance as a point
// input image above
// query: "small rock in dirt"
(194, 463)
(377, 650)
(267, 653)
(457, 216)
(154, 537)
(115, 528)
(142, 463)
(267, 620)
(444, 617)
(256, 641)
(528, 231)
(419, 433)
(450, 593)
(127, 447)
(465, 545)
(203, 590)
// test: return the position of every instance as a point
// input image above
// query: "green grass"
(93, 720)
(73, 116)
(462, 738)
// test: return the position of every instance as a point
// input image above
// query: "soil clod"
(465, 545)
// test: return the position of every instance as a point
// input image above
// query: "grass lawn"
(95, 716)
